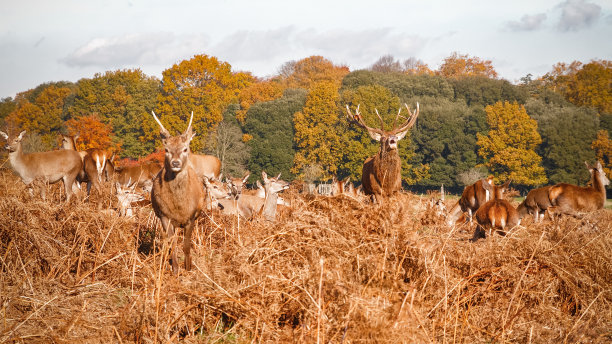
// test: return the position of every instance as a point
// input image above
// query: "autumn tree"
(259, 91)
(414, 66)
(509, 147)
(312, 70)
(603, 150)
(458, 65)
(122, 99)
(583, 85)
(93, 133)
(42, 115)
(203, 85)
(316, 131)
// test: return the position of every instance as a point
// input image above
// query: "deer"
(141, 174)
(127, 197)
(235, 185)
(205, 165)
(340, 187)
(97, 163)
(535, 203)
(472, 198)
(573, 200)
(49, 167)
(497, 213)
(215, 190)
(247, 206)
(177, 195)
(381, 173)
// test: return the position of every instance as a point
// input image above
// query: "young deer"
(572, 200)
(496, 213)
(381, 174)
(536, 203)
(248, 206)
(177, 196)
(49, 167)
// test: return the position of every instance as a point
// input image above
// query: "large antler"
(409, 121)
(163, 130)
(358, 120)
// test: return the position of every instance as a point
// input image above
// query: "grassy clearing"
(329, 270)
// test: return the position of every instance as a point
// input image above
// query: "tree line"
(472, 124)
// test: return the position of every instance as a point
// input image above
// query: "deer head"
(388, 139)
(176, 147)
(14, 144)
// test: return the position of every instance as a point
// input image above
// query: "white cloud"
(527, 22)
(136, 49)
(577, 14)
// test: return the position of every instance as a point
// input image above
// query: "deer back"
(205, 165)
(570, 198)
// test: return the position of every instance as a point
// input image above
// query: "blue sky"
(43, 41)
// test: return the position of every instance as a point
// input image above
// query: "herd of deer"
(187, 184)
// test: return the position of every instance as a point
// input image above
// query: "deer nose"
(176, 163)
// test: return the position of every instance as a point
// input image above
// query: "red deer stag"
(536, 203)
(472, 198)
(496, 213)
(48, 167)
(177, 196)
(381, 174)
(572, 200)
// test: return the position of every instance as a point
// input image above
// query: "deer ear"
(507, 184)
(244, 180)
(375, 135)
(401, 134)
(21, 135)
(598, 165)
(4, 135)
(206, 181)
(487, 185)
(264, 176)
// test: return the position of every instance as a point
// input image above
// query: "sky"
(67, 40)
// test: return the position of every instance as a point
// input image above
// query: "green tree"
(122, 99)
(270, 124)
(226, 143)
(567, 132)
(509, 147)
(203, 85)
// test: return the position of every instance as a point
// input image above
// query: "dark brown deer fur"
(381, 173)
(573, 200)
(496, 213)
(141, 174)
(177, 196)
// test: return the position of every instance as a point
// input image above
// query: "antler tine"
(396, 117)
(382, 124)
(409, 122)
(358, 119)
(190, 120)
(164, 131)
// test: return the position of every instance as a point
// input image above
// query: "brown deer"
(97, 163)
(142, 174)
(235, 185)
(127, 197)
(261, 193)
(205, 165)
(177, 196)
(472, 198)
(247, 206)
(48, 167)
(496, 213)
(215, 190)
(381, 173)
(572, 200)
(536, 203)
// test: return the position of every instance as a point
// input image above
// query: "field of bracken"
(329, 270)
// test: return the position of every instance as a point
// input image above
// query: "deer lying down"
(536, 203)
(141, 174)
(573, 200)
(496, 213)
(177, 196)
(48, 167)
(261, 193)
(247, 206)
(215, 190)
(127, 197)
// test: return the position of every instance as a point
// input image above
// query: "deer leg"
(479, 233)
(168, 233)
(187, 244)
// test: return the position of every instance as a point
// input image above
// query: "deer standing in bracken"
(382, 173)
(177, 196)
(573, 200)
(496, 213)
(48, 167)
(97, 163)
(536, 203)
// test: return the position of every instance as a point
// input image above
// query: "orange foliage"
(92, 133)
(314, 69)
(462, 65)
(603, 150)
(257, 92)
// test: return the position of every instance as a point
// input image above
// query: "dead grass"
(329, 270)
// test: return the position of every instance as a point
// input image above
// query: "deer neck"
(19, 160)
(269, 207)
(598, 185)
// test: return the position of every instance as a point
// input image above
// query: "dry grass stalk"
(74, 273)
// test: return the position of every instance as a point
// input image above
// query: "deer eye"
(184, 150)
(166, 149)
